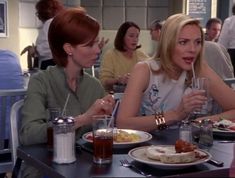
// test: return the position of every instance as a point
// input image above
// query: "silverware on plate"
(126, 163)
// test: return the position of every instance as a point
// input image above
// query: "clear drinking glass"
(102, 139)
(201, 84)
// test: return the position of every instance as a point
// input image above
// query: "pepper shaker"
(206, 133)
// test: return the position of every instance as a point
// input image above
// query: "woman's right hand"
(99, 107)
(192, 101)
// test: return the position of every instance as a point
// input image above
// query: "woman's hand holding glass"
(201, 84)
(102, 106)
(191, 102)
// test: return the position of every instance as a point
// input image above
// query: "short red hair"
(72, 26)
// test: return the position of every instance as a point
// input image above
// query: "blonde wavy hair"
(169, 38)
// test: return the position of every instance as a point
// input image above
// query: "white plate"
(223, 133)
(138, 154)
(144, 137)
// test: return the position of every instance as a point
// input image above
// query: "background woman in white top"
(46, 10)
(159, 84)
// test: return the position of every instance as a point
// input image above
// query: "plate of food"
(123, 137)
(224, 127)
(167, 156)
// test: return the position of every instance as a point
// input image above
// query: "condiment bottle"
(206, 133)
(185, 131)
(64, 140)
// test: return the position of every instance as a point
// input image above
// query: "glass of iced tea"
(102, 139)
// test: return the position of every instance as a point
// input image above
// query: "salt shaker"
(206, 133)
(185, 131)
(64, 140)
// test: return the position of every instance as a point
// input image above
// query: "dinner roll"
(169, 155)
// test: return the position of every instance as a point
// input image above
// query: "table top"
(39, 157)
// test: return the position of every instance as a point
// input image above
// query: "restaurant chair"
(7, 99)
(14, 125)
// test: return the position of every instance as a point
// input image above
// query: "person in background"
(155, 30)
(46, 10)
(158, 87)
(11, 77)
(117, 63)
(227, 35)
(218, 59)
(73, 39)
(213, 28)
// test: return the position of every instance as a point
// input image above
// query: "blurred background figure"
(45, 11)
(213, 28)
(155, 29)
(227, 35)
(10, 78)
(117, 63)
(10, 71)
(218, 59)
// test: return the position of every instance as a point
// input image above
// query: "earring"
(70, 54)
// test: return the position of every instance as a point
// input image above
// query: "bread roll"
(169, 155)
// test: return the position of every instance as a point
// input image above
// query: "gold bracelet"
(160, 120)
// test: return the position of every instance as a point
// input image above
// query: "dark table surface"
(39, 157)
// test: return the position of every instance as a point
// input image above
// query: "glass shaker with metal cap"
(64, 140)
(206, 133)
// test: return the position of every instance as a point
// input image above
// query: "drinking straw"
(65, 105)
(194, 75)
(114, 112)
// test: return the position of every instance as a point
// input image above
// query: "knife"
(226, 141)
(214, 162)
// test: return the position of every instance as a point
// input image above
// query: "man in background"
(155, 31)
(213, 28)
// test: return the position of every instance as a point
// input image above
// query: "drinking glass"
(201, 84)
(102, 139)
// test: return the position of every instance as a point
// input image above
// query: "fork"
(126, 163)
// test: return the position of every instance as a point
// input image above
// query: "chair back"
(7, 99)
(14, 125)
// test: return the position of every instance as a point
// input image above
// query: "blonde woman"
(159, 84)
